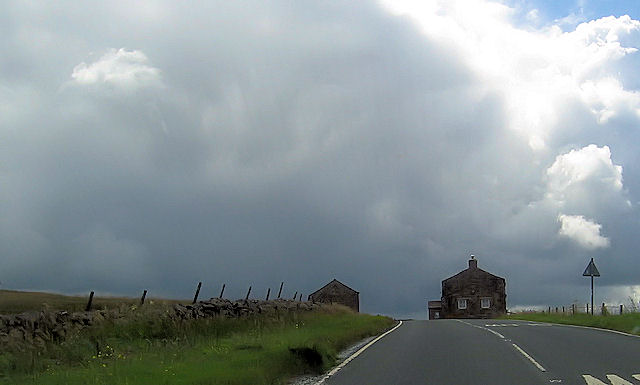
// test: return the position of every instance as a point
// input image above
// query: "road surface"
(494, 352)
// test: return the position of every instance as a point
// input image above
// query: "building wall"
(473, 284)
(435, 309)
(335, 292)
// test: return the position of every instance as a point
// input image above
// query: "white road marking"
(590, 380)
(593, 328)
(614, 379)
(483, 328)
(516, 325)
(529, 358)
(356, 354)
(514, 345)
(496, 333)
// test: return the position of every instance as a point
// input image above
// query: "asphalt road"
(461, 352)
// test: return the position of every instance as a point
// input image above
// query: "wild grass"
(628, 323)
(13, 302)
(146, 348)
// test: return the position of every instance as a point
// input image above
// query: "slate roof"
(470, 270)
(340, 283)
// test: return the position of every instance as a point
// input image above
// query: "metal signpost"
(591, 271)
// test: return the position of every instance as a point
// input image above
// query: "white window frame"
(487, 301)
(463, 303)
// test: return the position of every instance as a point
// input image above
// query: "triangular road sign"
(591, 270)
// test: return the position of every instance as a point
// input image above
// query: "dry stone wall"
(37, 328)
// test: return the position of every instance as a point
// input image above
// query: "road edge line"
(356, 354)
(589, 327)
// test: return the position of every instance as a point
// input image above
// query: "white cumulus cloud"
(538, 71)
(583, 231)
(585, 177)
(122, 68)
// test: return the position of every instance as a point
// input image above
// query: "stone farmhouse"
(472, 293)
(337, 292)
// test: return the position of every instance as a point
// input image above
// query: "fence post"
(295, 295)
(549, 309)
(587, 308)
(268, 292)
(604, 309)
(144, 294)
(248, 292)
(573, 309)
(222, 291)
(280, 291)
(620, 309)
(563, 310)
(195, 297)
(88, 308)
(300, 300)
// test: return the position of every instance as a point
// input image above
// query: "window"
(485, 303)
(462, 303)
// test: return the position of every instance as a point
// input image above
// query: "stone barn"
(472, 293)
(337, 292)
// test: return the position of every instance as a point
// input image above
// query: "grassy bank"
(628, 323)
(146, 348)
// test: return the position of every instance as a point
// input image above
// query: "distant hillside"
(13, 301)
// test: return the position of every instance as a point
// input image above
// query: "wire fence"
(598, 309)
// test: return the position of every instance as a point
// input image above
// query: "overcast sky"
(152, 145)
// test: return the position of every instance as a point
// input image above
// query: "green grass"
(628, 323)
(13, 302)
(146, 348)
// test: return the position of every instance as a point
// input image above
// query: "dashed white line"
(496, 333)
(356, 354)
(518, 348)
(483, 328)
(542, 369)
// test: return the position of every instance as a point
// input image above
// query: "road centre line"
(356, 354)
(518, 348)
(542, 369)
(483, 328)
(496, 333)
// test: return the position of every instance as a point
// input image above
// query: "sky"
(155, 144)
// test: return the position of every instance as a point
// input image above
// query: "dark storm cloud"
(159, 145)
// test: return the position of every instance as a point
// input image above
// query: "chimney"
(473, 262)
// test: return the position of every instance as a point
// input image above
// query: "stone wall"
(18, 331)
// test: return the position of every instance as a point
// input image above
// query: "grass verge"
(146, 348)
(628, 323)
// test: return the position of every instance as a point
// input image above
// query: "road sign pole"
(592, 295)
(591, 271)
